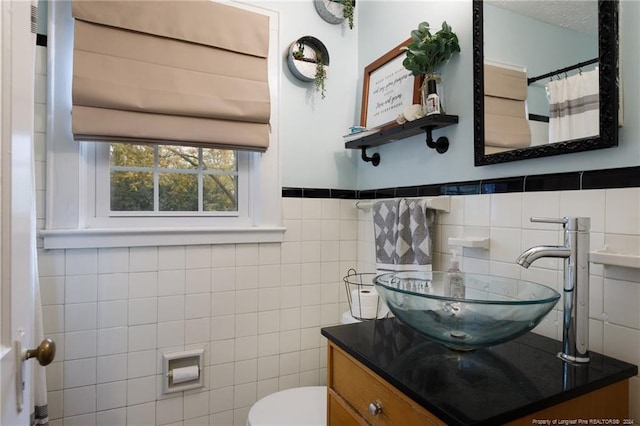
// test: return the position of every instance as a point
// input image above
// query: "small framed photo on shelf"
(388, 87)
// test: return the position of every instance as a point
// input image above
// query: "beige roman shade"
(505, 120)
(177, 72)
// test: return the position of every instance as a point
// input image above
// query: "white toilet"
(303, 406)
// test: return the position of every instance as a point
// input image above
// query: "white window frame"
(71, 217)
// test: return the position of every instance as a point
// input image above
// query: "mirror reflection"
(540, 71)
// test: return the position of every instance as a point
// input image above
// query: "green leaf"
(423, 27)
(426, 52)
(418, 52)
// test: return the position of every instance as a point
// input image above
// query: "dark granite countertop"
(487, 386)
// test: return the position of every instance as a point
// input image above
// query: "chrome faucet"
(575, 330)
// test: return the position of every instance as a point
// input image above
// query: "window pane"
(220, 193)
(180, 179)
(219, 159)
(178, 157)
(178, 192)
(129, 155)
(131, 191)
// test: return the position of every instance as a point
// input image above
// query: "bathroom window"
(225, 197)
(141, 195)
(173, 180)
(169, 186)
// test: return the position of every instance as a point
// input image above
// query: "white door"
(16, 130)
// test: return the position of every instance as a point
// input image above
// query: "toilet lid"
(305, 406)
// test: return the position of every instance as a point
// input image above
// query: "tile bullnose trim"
(41, 40)
(624, 177)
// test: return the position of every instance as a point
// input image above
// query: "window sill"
(101, 238)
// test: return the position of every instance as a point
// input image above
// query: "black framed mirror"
(606, 62)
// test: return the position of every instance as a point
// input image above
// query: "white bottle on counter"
(455, 281)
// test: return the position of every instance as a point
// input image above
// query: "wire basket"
(364, 301)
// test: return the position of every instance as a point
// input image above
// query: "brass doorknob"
(44, 353)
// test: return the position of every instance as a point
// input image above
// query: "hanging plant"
(321, 75)
(299, 54)
(308, 61)
(347, 10)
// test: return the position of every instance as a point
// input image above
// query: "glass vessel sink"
(469, 312)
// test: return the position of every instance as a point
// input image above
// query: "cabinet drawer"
(341, 414)
(359, 387)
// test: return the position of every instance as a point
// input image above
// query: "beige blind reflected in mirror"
(505, 120)
(178, 72)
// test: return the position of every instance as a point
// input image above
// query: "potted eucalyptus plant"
(426, 52)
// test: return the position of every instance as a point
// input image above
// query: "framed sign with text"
(388, 87)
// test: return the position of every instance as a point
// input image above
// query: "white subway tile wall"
(257, 309)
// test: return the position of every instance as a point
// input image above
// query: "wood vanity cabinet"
(358, 396)
(352, 388)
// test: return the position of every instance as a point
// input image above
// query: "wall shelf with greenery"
(411, 128)
(308, 60)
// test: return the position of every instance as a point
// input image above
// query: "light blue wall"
(43, 16)
(311, 128)
(538, 46)
(541, 47)
(409, 162)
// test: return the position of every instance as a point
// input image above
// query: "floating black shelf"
(410, 128)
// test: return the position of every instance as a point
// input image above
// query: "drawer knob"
(375, 408)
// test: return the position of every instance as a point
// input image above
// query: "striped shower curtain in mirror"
(574, 107)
